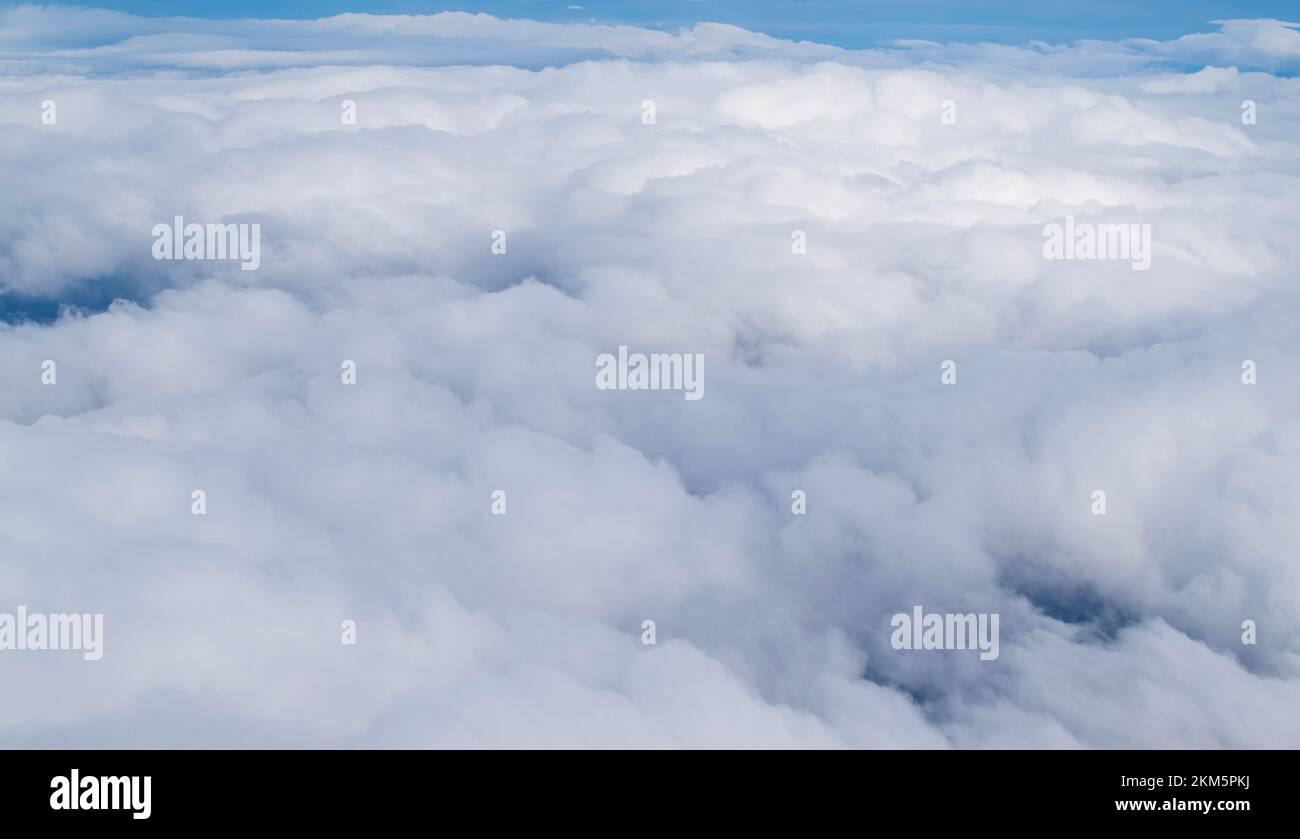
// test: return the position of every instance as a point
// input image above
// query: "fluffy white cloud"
(475, 373)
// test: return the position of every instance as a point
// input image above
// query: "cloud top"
(372, 502)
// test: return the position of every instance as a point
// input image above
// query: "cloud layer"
(371, 502)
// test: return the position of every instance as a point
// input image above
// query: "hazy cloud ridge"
(371, 502)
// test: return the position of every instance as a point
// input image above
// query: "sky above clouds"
(371, 502)
(847, 23)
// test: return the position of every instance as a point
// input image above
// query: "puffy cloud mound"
(475, 372)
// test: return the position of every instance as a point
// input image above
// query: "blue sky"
(852, 23)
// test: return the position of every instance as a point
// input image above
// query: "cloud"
(371, 502)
